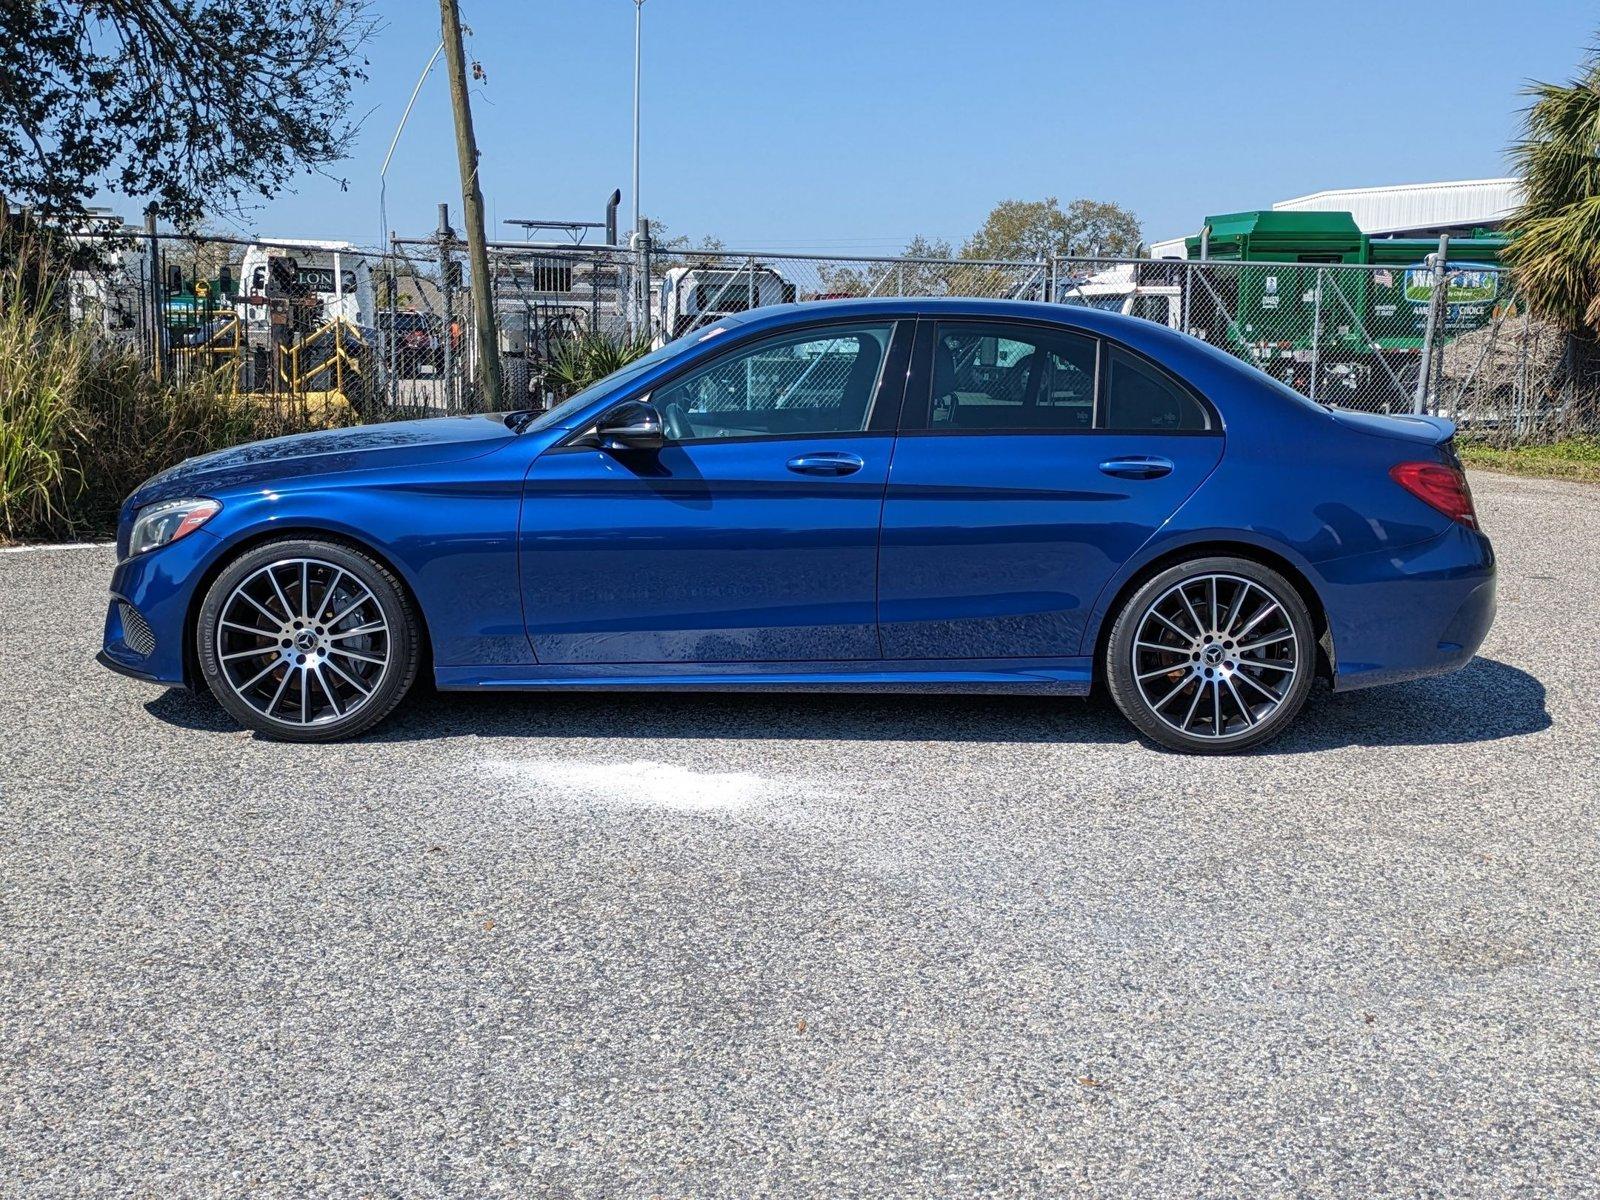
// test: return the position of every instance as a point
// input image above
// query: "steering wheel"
(675, 422)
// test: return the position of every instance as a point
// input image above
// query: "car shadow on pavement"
(1485, 701)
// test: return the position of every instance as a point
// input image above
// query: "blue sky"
(831, 125)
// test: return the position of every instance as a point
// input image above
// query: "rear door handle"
(828, 462)
(1137, 466)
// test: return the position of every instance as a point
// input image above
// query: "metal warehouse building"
(1404, 209)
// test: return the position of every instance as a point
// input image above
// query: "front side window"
(996, 378)
(1140, 398)
(804, 382)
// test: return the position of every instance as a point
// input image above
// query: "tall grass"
(42, 365)
(82, 419)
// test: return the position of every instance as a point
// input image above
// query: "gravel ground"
(693, 946)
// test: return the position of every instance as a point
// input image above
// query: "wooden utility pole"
(472, 209)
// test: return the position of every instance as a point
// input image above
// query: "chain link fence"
(372, 334)
(1454, 341)
(546, 296)
(287, 325)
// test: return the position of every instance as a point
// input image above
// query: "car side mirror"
(635, 425)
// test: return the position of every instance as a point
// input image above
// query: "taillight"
(1445, 488)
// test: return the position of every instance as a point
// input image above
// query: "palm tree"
(1556, 248)
(577, 362)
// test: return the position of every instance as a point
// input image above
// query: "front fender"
(451, 540)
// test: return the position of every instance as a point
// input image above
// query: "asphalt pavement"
(697, 946)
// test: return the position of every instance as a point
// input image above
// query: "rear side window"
(995, 378)
(1140, 398)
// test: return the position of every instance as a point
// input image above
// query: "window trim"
(916, 408)
(883, 409)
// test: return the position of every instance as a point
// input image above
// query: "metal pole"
(1522, 409)
(1419, 404)
(638, 28)
(1316, 335)
(644, 277)
(394, 333)
(154, 332)
(489, 391)
(447, 293)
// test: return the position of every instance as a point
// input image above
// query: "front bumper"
(155, 589)
(110, 662)
(1403, 614)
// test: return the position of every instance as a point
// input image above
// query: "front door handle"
(828, 462)
(1137, 466)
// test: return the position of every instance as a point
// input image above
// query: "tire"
(297, 671)
(1179, 670)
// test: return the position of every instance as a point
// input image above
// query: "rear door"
(1033, 461)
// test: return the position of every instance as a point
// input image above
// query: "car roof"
(1147, 336)
(776, 316)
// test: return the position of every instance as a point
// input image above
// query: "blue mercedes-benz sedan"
(944, 495)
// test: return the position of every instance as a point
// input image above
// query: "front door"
(751, 536)
(1034, 465)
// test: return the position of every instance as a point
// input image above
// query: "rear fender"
(1165, 548)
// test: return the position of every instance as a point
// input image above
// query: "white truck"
(1118, 289)
(332, 279)
(698, 295)
(308, 312)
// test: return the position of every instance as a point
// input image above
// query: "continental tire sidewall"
(1118, 665)
(391, 597)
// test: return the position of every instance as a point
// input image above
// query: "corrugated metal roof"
(1400, 207)
(1396, 208)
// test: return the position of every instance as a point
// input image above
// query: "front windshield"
(565, 410)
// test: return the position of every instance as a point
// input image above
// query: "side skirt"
(1057, 676)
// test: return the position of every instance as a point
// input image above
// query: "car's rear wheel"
(307, 640)
(1212, 656)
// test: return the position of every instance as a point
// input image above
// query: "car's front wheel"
(1212, 656)
(307, 640)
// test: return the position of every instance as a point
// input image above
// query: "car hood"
(327, 451)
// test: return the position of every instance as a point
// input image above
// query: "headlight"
(158, 524)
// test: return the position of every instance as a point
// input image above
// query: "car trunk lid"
(1430, 431)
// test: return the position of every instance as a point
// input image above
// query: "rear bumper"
(1422, 610)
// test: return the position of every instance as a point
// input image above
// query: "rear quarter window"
(1140, 397)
